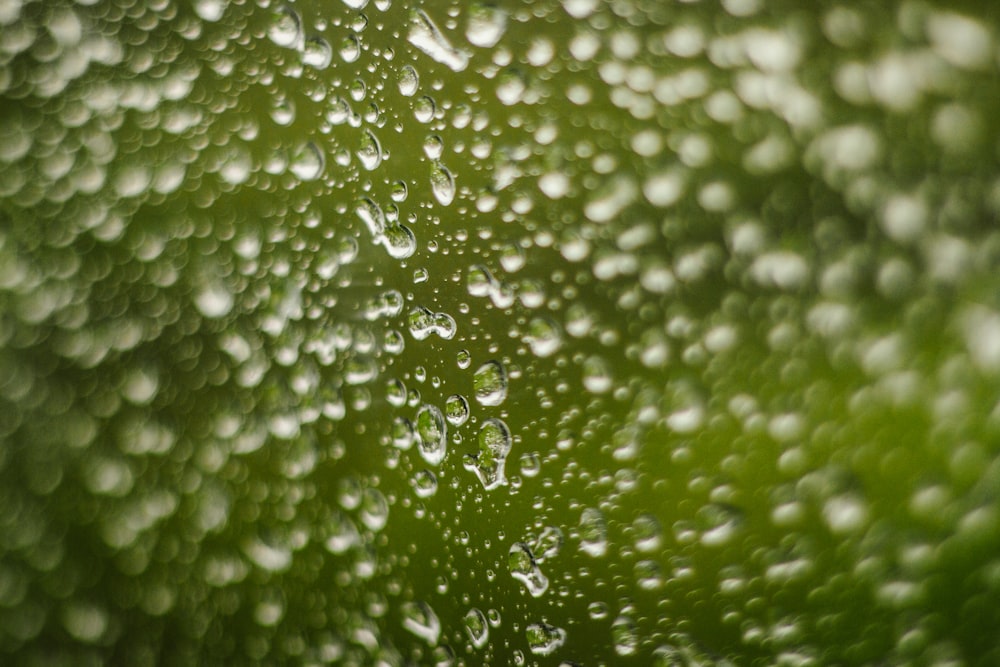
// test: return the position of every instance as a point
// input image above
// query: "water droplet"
(524, 568)
(432, 440)
(210, 10)
(370, 151)
(476, 627)
(399, 191)
(424, 322)
(486, 25)
(342, 534)
(424, 109)
(316, 52)
(350, 49)
(420, 619)
(597, 377)
(286, 27)
(494, 446)
(214, 301)
(490, 383)
(456, 409)
(282, 111)
(625, 635)
(593, 533)
(543, 336)
(442, 184)
(548, 544)
(374, 510)
(307, 162)
(544, 639)
(399, 241)
(408, 81)
(427, 37)
(425, 484)
(646, 533)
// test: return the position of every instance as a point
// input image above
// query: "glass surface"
(556, 332)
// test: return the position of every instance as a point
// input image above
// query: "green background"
(778, 389)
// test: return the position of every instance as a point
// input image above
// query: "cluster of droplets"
(748, 354)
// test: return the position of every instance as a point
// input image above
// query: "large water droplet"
(427, 37)
(442, 184)
(432, 440)
(593, 533)
(307, 162)
(524, 568)
(316, 52)
(494, 446)
(286, 27)
(544, 639)
(420, 619)
(476, 627)
(408, 80)
(490, 383)
(486, 25)
(370, 151)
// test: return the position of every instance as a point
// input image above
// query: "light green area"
(536, 333)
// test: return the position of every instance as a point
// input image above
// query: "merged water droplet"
(524, 568)
(544, 639)
(494, 446)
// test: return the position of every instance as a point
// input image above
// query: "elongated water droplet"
(476, 627)
(420, 619)
(370, 151)
(544, 639)
(427, 37)
(593, 533)
(524, 568)
(286, 27)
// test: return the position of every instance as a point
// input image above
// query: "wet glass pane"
(523, 332)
